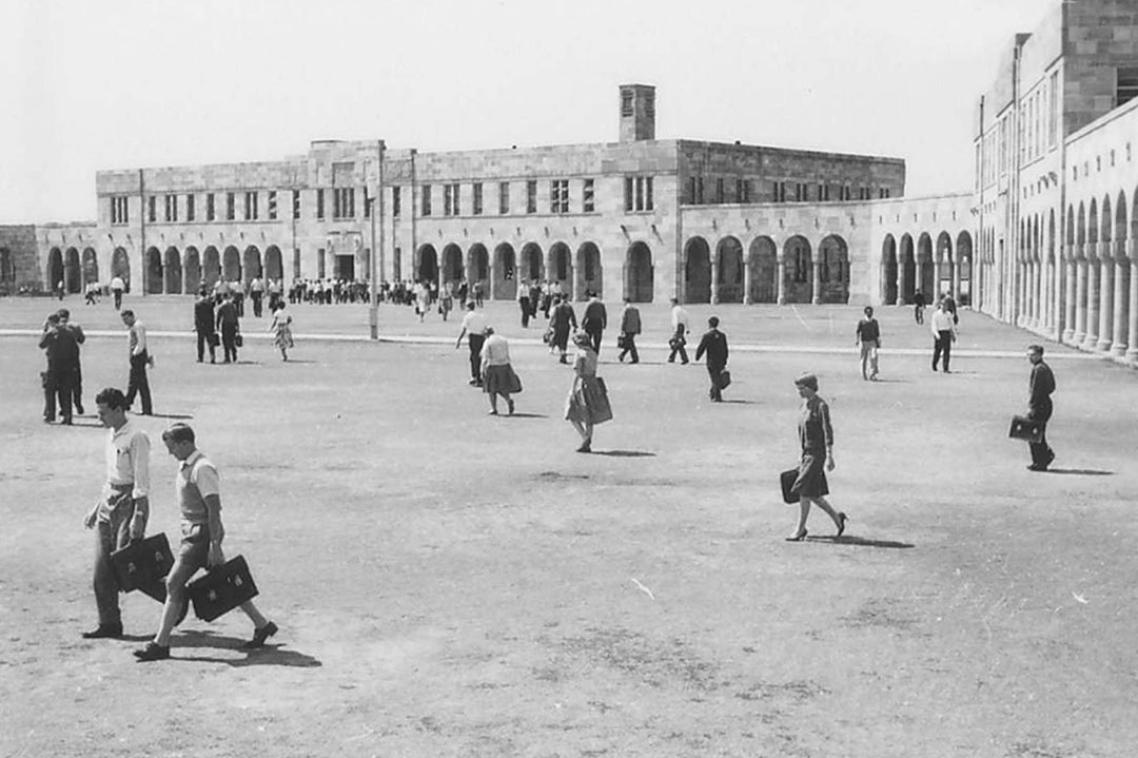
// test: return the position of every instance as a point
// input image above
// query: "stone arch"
(798, 282)
(925, 267)
(211, 266)
(762, 258)
(478, 267)
(946, 263)
(56, 271)
(425, 266)
(590, 274)
(231, 264)
(452, 264)
(729, 270)
(154, 271)
(1092, 228)
(907, 261)
(834, 270)
(697, 271)
(120, 267)
(505, 284)
(72, 271)
(532, 263)
(173, 265)
(274, 263)
(889, 270)
(560, 266)
(192, 271)
(90, 265)
(638, 273)
(1106, 233)
(252, 267)
(964, 263)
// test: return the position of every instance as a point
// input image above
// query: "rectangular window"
(119, 214)
(1053, 115)
(720, 191)
(476, 198)
(171, 204)
(273, 205)
(191, 214)
(425, 204)
(251, 212)
(396, 202)
(344, 202)
(397, 264)
(559, 196)
(629, 184)
(210, 207)
(296, 261)
(1127, 88)
(638, 193)
(531, 196)
(151, 209)
(691, 190)
(320, 263)
(748, 190)
(296, 203)
(503, 198)
(588, 201)
(320, 204)
(699, 190)
(230, 206)
(648, 201)
(626, 103)
(450, 200)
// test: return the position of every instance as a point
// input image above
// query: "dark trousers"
(205, 339)
(118, 299)
(256, 296)
(229, 341)
(1041, 453)
(942, 346)
(476, 341)
(139, 384)
(595, 338)
(919, 313)
(77, 389)
(715, 373)
(678, 340)
(629, 347)
(524, 305)
(109, 537)
(57, 386)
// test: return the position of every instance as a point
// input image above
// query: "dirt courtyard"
(453, 584)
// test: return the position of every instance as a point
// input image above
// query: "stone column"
(956, 279)
(1080, 303)
(918, 283)
(747, 275)
(1106, 297)
(1132, 347)
(715, 280)
(816, 298)
(936, 279)
(1091, 339)
(781, 281)
(1120, 336)
(900, 282)
(1069, 314)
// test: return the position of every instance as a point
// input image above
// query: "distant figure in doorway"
(919, 307)
(869, 340)
(473, 328)
(204, 326)
(680, 327)
(629, 330)
(595, 321)
(816, 437)
(1040, 386)
(944, 334)
(714, 343)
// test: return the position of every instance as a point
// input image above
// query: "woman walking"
(282, 329)
(588, 402)
(816, 436)
(498, 377)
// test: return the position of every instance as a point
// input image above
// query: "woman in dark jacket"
(816, 436)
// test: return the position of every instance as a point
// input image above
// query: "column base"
(1119, 351)
(1068, 336)
(1089, 343)
(1103, 346)
(1132, 355)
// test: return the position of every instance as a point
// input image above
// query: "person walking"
(498, 377)
(587, 403)
(257, 294)
(1040, 385)
(140, 360)
(117, 288)
(62, 350)
(198, 488)
(473, 328)
(204, 326)
(123, 508)
(680, 328)
(919, 306)
(229, 325)
(422, 300)
(446, 300)
(561, 321)
(281, 328)
(944, 334)
(595, 320)
(816, 438)
(714, 343)
(868, 338)
(523, 302)
(65, 322)
(629, 329)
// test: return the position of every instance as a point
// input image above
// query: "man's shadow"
(269, 655)
(625, 453)
(176, 416)
(527, 415)
(849, 539)
(1080, 471)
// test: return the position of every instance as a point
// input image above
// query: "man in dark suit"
(204, 326)
(62, 366)
(229, 326)
(595, 321)
(1040, 386)
(65, 322)
(714, 343)
(629, 328)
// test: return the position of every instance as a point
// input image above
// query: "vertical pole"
(376, 258)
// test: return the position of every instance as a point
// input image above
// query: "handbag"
(676, 342)
(143, 563)
(222, 589)
(786, 480)
(238, 340)
(724, 379)
(622, 341)
(1024, 428)
(214, 339)
(597, 401)
(515, 382)
(547, 338)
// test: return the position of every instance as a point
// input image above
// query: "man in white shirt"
(122, 511)
(139, 360)
(473, 327)
(117, 287)
(944, 334)
(680, 329)
(256, 293)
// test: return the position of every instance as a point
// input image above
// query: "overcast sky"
(98, 84)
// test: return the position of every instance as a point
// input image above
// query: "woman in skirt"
(498, 377)
(587, 403)
(282, 329)
(816, 436)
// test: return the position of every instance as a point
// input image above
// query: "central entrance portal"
(345, 268)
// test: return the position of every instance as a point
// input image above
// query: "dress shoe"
(260, 635)
(104, 631)
(1050, 457)
(585, 448)
(79, 410)
(153, 652)
(842, 519)
(798, 537)
(1036, 467)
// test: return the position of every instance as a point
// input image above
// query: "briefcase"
(786, 479)
(221, 589)
(238, 340)
(1024, 428)
(724, 379)
(142, 564)
(214, 339)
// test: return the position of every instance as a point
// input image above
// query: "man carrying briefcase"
(199, 498)
(1040, 386)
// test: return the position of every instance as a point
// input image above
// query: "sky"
(117, 84)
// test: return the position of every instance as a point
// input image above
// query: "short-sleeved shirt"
(197, 479)
(128, 461)
(868, 330)
(474, 322)
(496, 351)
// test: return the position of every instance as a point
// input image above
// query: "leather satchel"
(142, 564)
(724, 379)
(786, 480)
(1024, 428)
(221, 589)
